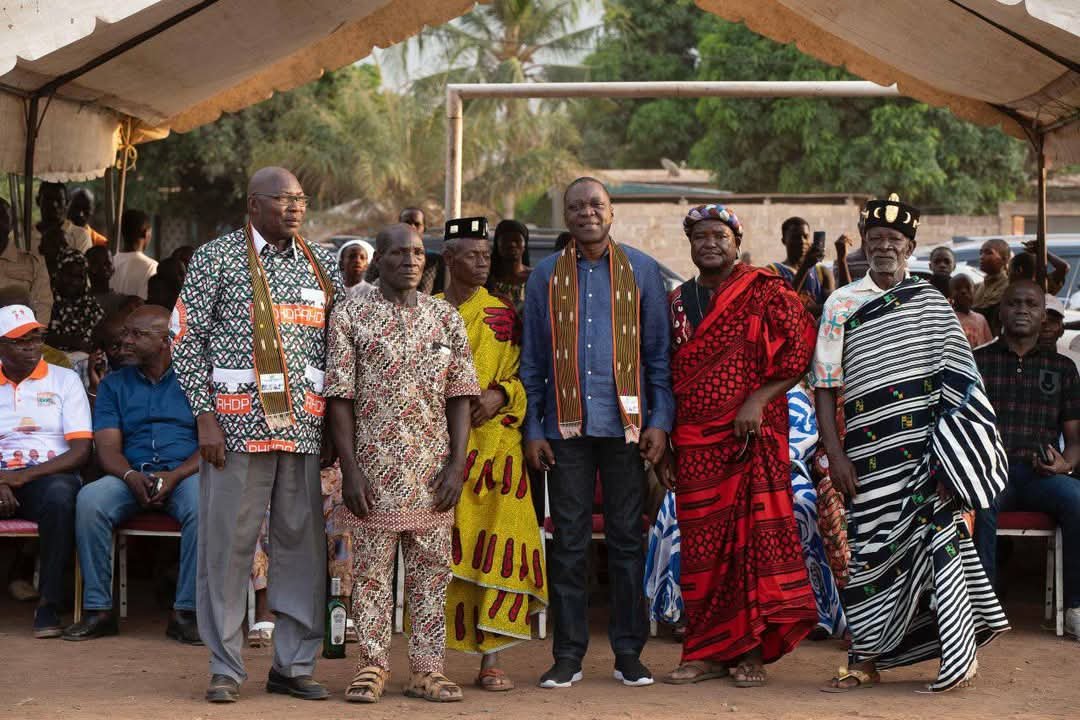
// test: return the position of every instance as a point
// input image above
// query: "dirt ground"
(1026, 673)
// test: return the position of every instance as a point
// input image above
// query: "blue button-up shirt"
(595, 349)
(154, 418)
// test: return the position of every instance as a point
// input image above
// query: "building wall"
(656, 228)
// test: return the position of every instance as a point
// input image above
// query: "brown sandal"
(747, 669)
(368, 685)
(705, 671)
(430, 686)
(494, 680)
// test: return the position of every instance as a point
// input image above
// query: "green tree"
(642, 40)
(515, 147)
(808, 145)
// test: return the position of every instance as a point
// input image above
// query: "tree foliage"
(642, 40)
(781, 145)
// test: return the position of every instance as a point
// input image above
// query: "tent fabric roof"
(994, 62)
(227, 56)
(1016, 63)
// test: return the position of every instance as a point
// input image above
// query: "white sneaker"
(1072, 622)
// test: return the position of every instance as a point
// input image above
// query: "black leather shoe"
(223, 689)
(94, 625)
(183, 628)
(301, 686)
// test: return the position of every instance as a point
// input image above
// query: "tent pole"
(28, 167)
(454, 133)
(1040, 221)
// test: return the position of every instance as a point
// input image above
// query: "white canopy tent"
(90, 76)
(1013, 63)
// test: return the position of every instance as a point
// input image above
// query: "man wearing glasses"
(145, 437)
(250, 354)
(44, 440)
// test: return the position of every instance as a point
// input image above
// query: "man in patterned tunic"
(249, 352)
(400, 382)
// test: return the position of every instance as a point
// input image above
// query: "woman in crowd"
(741, 339)
(76, 312)
(510, 262)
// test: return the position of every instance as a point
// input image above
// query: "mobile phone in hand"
(818, 247)
(1045, 456)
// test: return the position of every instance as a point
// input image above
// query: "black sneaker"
(629, 670)
(562, 674)
(47, 622)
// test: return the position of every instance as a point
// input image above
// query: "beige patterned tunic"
(399, 365)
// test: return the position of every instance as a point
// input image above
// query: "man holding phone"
(1036, 393)
(802, 266)
(147, 445)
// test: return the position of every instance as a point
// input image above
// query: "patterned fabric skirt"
(743, 576)
(662, 565)
(802, 442)
(497, 556)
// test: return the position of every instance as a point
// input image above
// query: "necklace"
(702, 302)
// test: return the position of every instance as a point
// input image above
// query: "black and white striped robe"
(916, 414)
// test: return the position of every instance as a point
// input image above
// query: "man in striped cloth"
(920, 448)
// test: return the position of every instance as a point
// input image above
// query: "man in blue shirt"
(595, 368)
(147, 444)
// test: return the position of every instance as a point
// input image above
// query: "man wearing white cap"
(353, 260)
(45, 437)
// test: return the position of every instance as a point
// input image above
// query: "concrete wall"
(656, 228)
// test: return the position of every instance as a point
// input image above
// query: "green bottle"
(336, 615)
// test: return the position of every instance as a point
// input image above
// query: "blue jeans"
(1056, 495)
(571, 487)
(50, 502)
(104, 504)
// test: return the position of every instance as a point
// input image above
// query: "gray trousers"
(232, 505)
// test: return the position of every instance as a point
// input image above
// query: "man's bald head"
(392, 234)
(399, 255)
(146, 336)
(276, 205)
(151, 315)
(271, 180)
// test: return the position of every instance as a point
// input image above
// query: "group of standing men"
(433, 404)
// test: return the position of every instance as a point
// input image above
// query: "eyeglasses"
(139, 334)
(25, 341)
(300, 201)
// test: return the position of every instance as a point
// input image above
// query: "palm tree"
(517, 146)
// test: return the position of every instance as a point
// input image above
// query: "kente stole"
(271, 369)
(626, 341)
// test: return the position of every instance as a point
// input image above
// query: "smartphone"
(819, 243)
(1044, 456)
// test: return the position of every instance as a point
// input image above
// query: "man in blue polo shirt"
(147, 444)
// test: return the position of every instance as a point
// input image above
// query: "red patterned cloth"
(743, 576)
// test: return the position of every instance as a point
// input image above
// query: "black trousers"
(50, 502)
(571, 484)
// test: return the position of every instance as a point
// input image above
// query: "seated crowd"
(127, 386)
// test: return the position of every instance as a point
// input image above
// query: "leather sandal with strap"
(863, 680)
(702, 671)
(430, 686)
(494, 680)
(368, 685)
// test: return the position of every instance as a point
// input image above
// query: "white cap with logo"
(16, 321)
